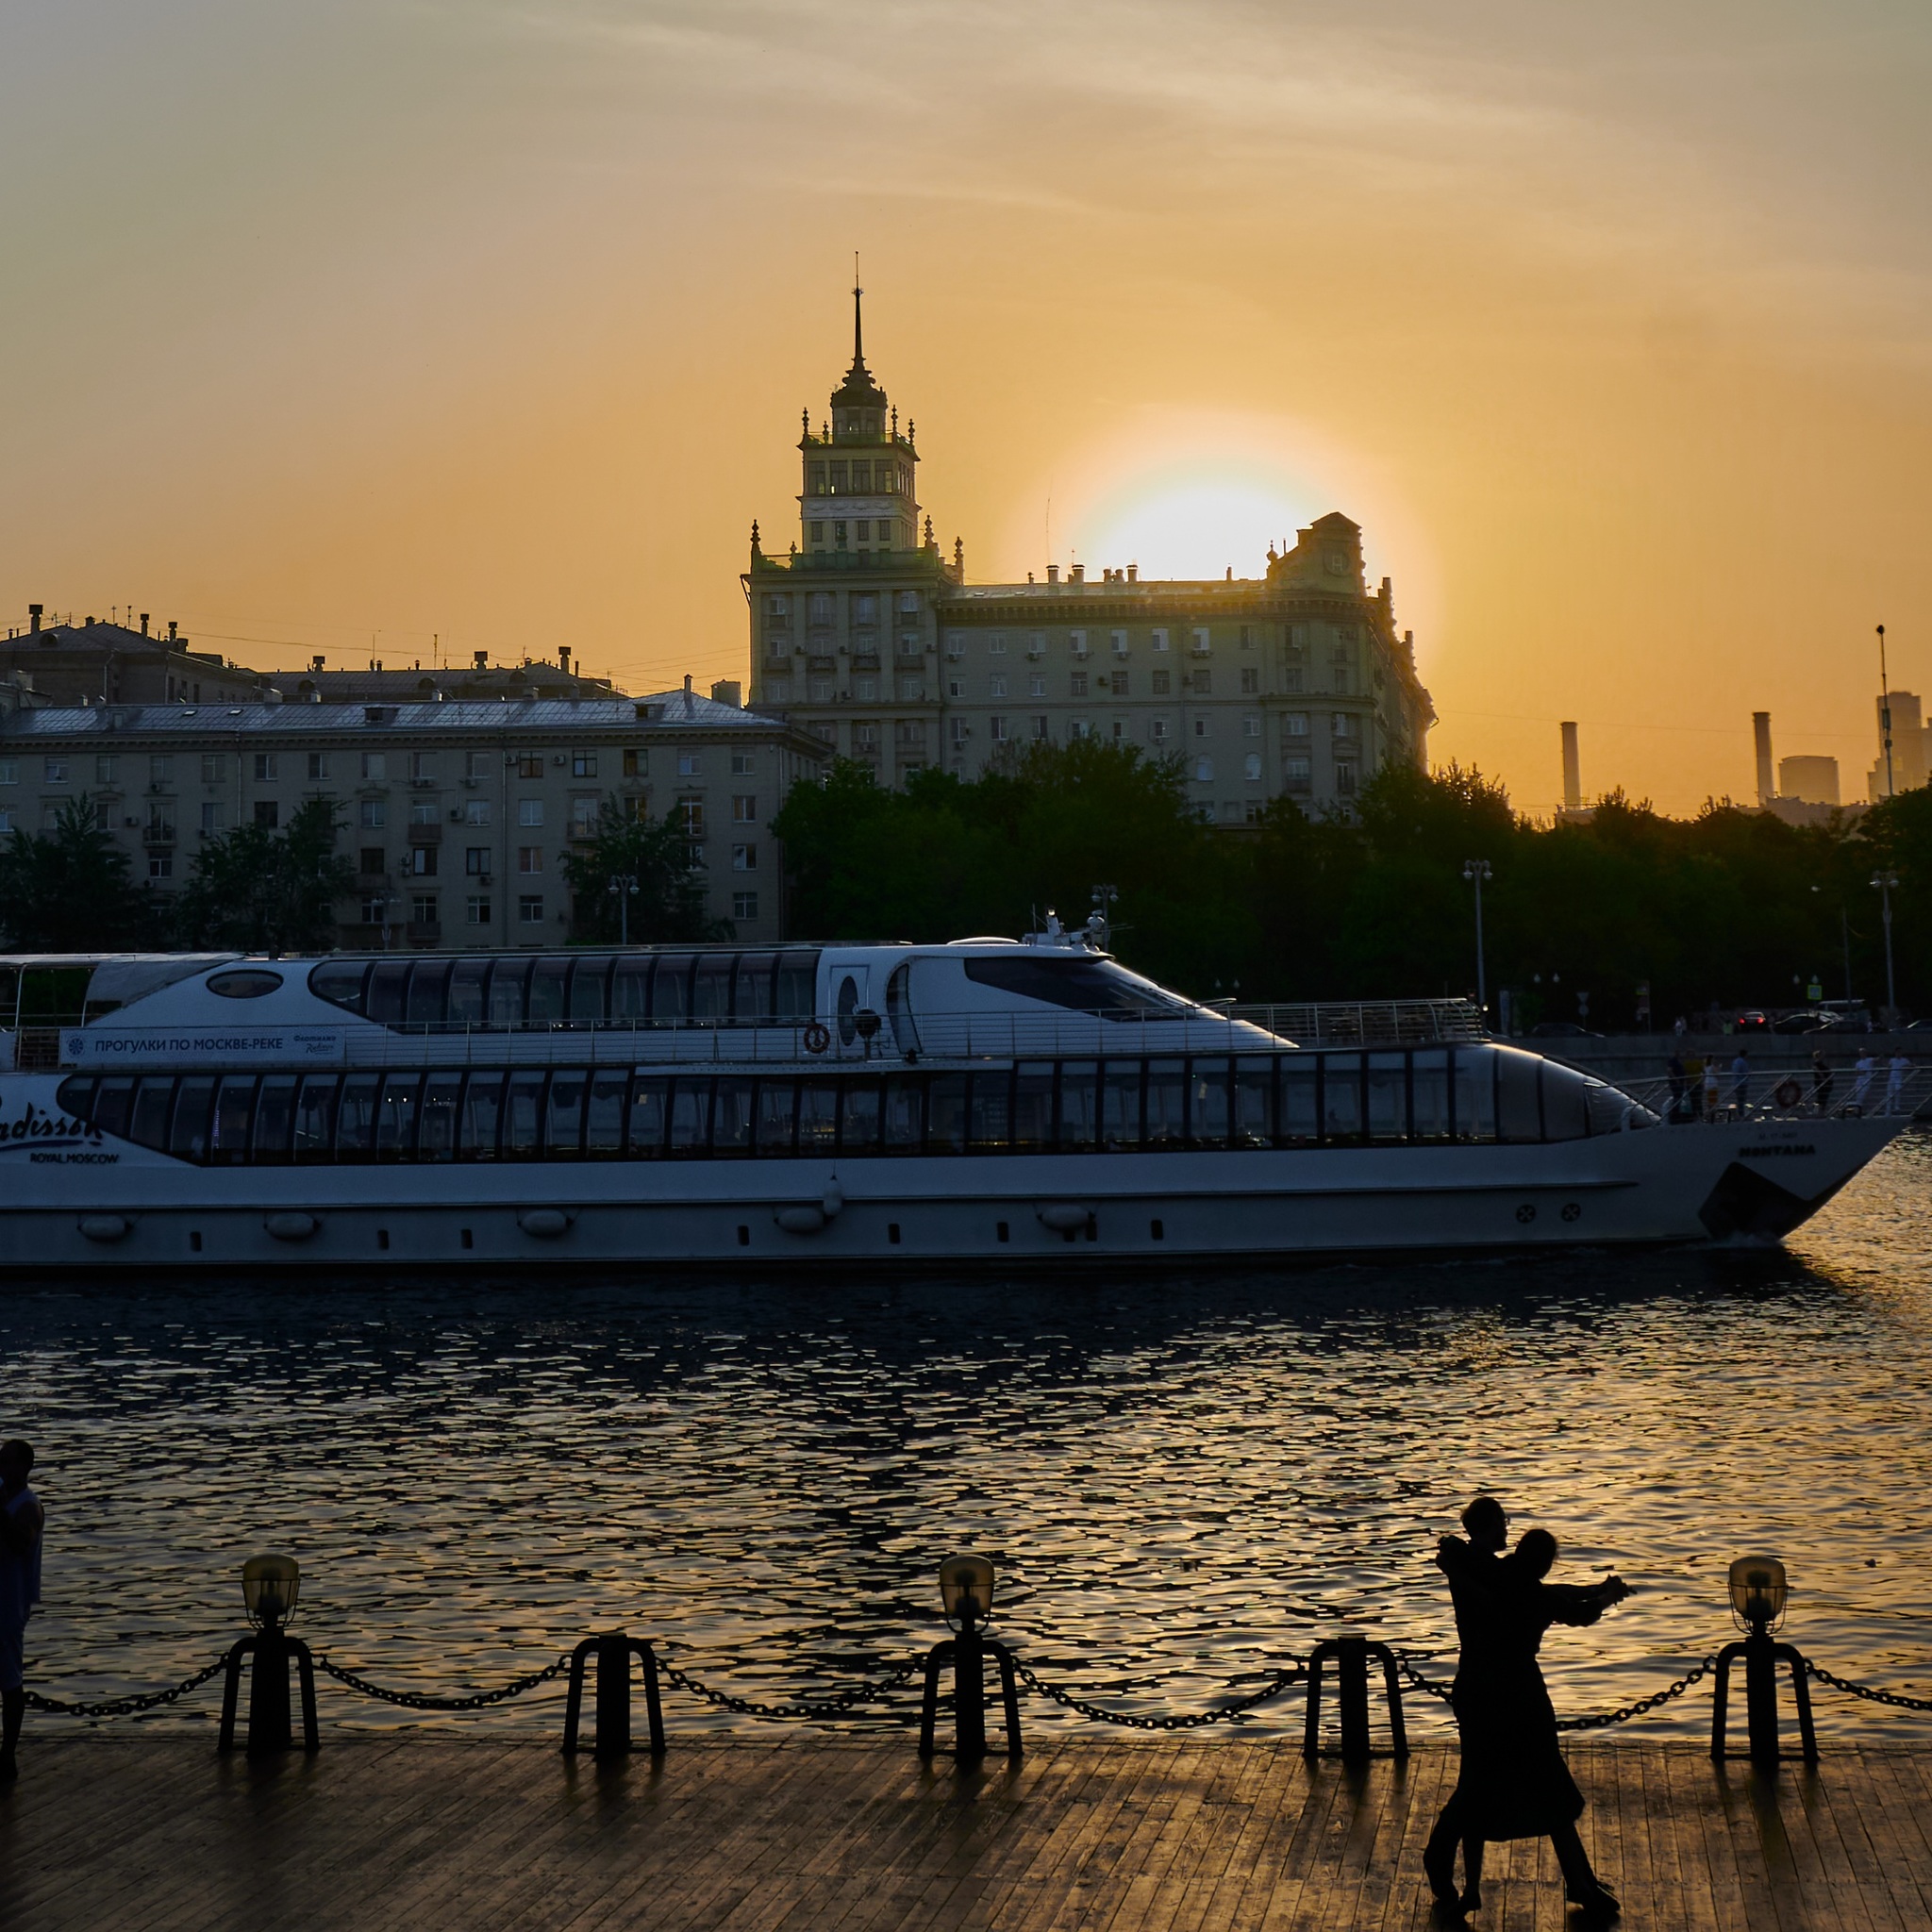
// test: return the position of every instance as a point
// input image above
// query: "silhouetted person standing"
(20, 1522)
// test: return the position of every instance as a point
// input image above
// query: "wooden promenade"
(809, 1835)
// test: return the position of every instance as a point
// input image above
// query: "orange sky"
(495, 321)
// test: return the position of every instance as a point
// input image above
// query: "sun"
(1198, 520)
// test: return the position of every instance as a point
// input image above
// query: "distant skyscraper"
(1908, 745)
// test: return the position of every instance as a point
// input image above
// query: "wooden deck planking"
(819, 1835)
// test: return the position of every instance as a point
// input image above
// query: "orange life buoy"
(818, 1037)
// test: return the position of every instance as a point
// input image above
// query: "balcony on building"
(425, 834)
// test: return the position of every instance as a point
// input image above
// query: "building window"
(864, 537)
(265, 772)
(422, 862)
(1120, 684)
(1077, 641)
(476, 811)
(1247, 641)
(529, 909)
(477, 910)
(1344, 779)
(996, 645)
(818, 531)
(1076, 684)
(838, 537)
(1036, 685)
(1161, 640)
(1204, 770)
(160, 768)
(475, 764)
(318, 765)
(744, 858)
(996, 686)
(476, 861)
(50, 818)
(1119, 643)
(1291, 678)
(583, 817)
(960, 733)
(375, 812)
(583, 764)
(996, 729)
(423, 909)
(1251, 682)
(865, 740)
(9, 771)
(1162, 682)
(1160, 731)
(268, 814)
(374, 911)
(689, 764)
(744, 809)
(1202, 683)
(956, 687)
(105, 767)
(955, 645)
(1294, 725)
(422, 764)
(775, 607)
(371, 861)
(866, 690)
(529, 811)
(1202, 643)
(1078, 728)
(744, 905)
(57, 771)
(1251, 766)
(911, 689)
(1340, 725)
(5, 818)
(690, 817)
(374, 767)
(741, 764)
(1251, 725)
(160, 865)
(1203, 727)
(530, 859)
(637, 764)
(211, 762)
(423, 812)
(695, 855)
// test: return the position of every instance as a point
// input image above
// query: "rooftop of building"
(101, 636)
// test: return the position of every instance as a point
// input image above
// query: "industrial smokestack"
(1573, 769)
(1761, 732)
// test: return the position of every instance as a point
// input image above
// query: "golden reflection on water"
(1180, 1479)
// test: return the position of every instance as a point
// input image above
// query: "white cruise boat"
(990, 1100)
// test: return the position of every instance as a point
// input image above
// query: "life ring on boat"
(818, 1037)
(1788, 1093)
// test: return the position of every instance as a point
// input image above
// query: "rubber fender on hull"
(546, 1223)
(291, 1227)
(1063, 1217)
(104, 1227)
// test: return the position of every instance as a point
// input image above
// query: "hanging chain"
(124, 1706)
(416, 1700)
(1188, 1721)
(1434, 1687)
(1897, 1699)
(840, 1704)
(1623, 1713)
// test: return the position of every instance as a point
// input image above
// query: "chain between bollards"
(1897, 1699)
(840, 1704)
(127, 1707)
(418, 1700)
(1187, 1720)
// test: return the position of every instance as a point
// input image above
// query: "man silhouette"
(20, 1520)
(1487, 1526)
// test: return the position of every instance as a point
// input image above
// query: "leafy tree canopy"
(72, 890)
(655, 854)
(261, 888)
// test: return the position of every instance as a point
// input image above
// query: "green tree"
(70, 890)
(263, 889)
(669, 904)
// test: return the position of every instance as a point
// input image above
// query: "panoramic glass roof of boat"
(1084, 982)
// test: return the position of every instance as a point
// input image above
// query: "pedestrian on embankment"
(21, 1519)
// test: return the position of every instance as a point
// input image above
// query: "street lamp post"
(1884, 714)
(1476, 870)
(624, 888)
(1884, 881)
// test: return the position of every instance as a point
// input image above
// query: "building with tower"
(1294, 684)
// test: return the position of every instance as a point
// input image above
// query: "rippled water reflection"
(1179, 1479)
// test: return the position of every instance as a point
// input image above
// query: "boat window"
(356, 1117)
(563, 1131)
(1120, 1104)
(671, 990)
(153, 1102)
(1208, 1103)
(1079, 1104)
(899, 1009)
(588, 991)
(1342, 1096)
(227, 1140)
(989, 1120)
(188, 1132)
(1254, 1103)
(777, 1119)
(751, 1000)
(1519, 1115)
(848, 1005)
(690, 1117)
(630, 989)
(388, 982)
(647, 1114)
(710, 999)
(1085, 985)
(523, 1116)
(1611, 1110)
(1167, 1099)
(395, 1117)
(244, 984)
(547, 979)
(112, 1104)
(798, 983)
(275, 1116)
(507, 992)
(604, 1120)
(74, 1096)
(818, 1116)
(1474, 1076)
(54, 995)
(731, 1116)
(1388, 1091)
(903, 1114)
(945, 1119)
(1566, 1103)
(858, 1131)
(339, 982)
(477, 1127)
(1033, 1108)
(1299, 1120)
(1429, 1094)
(428, 987)
(436, 1135)
(315, 1117)
(469, 987)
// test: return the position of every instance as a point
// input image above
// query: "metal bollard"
(613, 1651)
(1350, 1657)
(967, 1653)
(1761, 1656)
(270, 1728)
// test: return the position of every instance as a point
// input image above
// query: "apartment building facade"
(1295, 684)
(458, 815)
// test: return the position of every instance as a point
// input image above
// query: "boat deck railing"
(1367, 1023)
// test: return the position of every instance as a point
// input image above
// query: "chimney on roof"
(1133, 573)
(563, 658)
(687, 684)
(315, 662)
(482, 660)
(727, 691)
(1077, 573)
(143, 624)
(1053, 572)
(170, 630)
(33, 617)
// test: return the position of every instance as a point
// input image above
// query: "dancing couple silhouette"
(1512, 1781)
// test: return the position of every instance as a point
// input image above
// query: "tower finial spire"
(857, 330)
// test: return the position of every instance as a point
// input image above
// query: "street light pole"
(624, 888)
(1885, 881)
(1476, 870)
(1884, 714)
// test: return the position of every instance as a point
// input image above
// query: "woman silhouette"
(1513, 1782)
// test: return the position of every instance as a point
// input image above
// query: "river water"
(1181, 1480)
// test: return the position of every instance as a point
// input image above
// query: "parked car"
(1754, 1022)
(1804, 1022)
(1561, 1029)
(1848, 1016)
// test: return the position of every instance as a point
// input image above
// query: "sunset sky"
(329, 322)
